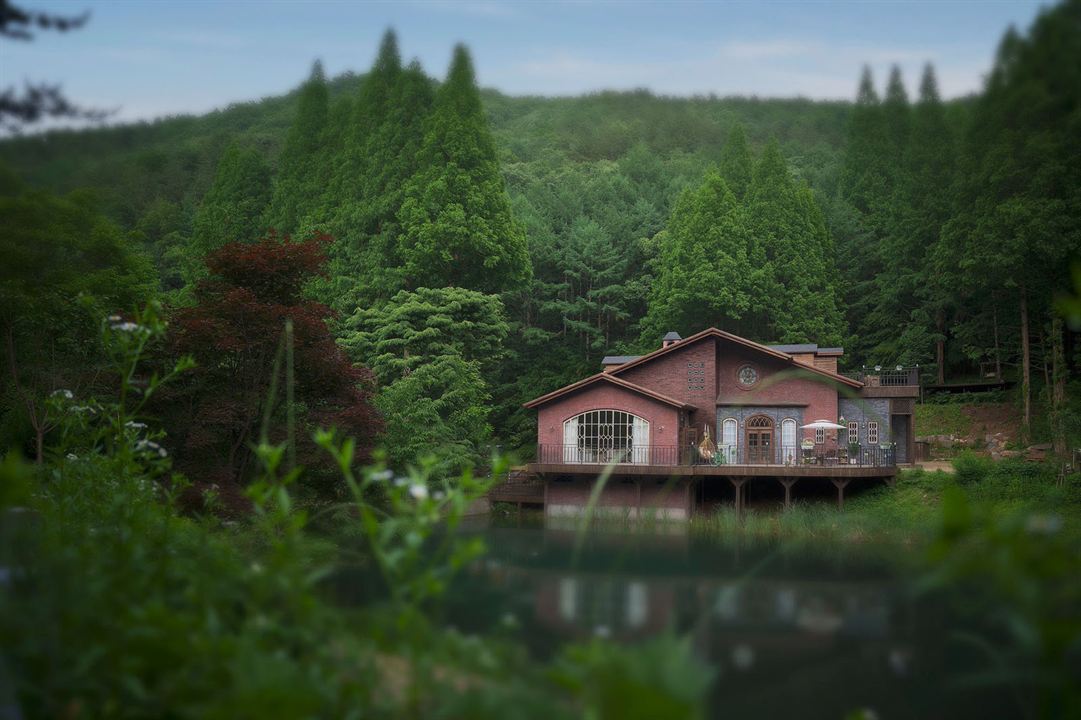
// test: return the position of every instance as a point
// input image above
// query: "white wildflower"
(382, 475)
(401, 481)
(134, 425)
(126, 326)
(72, 456)
(115, 319)
(66, 394)
(418, 491)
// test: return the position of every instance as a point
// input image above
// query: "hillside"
(174, 159)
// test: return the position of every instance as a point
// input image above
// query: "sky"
(153, 58)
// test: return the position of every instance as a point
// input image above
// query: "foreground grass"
(909, 512)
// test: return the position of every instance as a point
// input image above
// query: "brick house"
(713, 407)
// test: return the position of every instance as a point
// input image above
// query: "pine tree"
(457, 227)
(303, 165)
(896, 114)
(791, 236)
(232, 208)
(704, 276)
(1016, 223)
(737, 166)
(864, 206)
(914, 289)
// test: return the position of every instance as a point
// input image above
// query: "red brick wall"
(663, 419)
(669, 376)
(778, 382)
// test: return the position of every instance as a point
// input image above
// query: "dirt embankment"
(991, 428)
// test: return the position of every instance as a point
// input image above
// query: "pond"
(789, 633)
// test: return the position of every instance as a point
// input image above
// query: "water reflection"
(790, 634)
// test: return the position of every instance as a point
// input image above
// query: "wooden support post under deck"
(840, 485)
(738, 484)
(788, 483)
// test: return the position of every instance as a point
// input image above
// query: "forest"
(467, 250)
(257, 366)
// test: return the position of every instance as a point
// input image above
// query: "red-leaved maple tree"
(234, 333)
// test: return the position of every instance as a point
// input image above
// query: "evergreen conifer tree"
(791, 235)
(303, 165)
(737, 166)
(457, 226)
(232, 208)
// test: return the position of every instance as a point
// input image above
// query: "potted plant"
(853, 452)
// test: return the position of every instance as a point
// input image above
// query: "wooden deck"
(749, 471)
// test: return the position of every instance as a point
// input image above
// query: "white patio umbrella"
(822, 425)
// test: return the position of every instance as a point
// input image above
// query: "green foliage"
(660, 678)
(970, 468)
(232, 209)
(943, 419)
(457, 227)
(119, 606)
(416, 327)
(304, 165)
(430, 350)
(438, 411)
(65, 265)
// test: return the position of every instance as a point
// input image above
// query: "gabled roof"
(801, 348)
(721, 334)
(618, 359)
(605, 377)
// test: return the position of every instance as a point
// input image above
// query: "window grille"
(853, 432)
(604, 436)
(872, 433)
(820, 436)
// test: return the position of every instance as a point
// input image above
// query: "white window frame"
(872, 432)
(820, 436)
(789, 441)
(729, 439)
(606, 435)
(853, 431)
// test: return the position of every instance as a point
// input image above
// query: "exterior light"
(878, 368)
(900, 368)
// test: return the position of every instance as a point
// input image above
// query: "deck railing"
(887, 377)
(864, 456)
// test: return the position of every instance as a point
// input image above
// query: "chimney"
(670, 339)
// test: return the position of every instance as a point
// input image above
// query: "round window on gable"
(747, 376)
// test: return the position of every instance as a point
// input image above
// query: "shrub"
(971, 468)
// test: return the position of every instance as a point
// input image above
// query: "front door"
(760, 440)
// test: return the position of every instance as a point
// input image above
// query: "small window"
(820, 436)
(853, 432)
(872, 433)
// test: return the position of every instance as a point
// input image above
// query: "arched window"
(729, 435)
(606, 436)
(760, 450)
(789, 450)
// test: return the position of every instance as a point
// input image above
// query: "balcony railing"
(791, 455)
(887, 377)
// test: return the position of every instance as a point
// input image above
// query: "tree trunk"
(1026, 370)
(998, 355)
(940, 347)
(1058, 388)
(39, 437)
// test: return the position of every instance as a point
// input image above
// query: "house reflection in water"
(784, 632)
